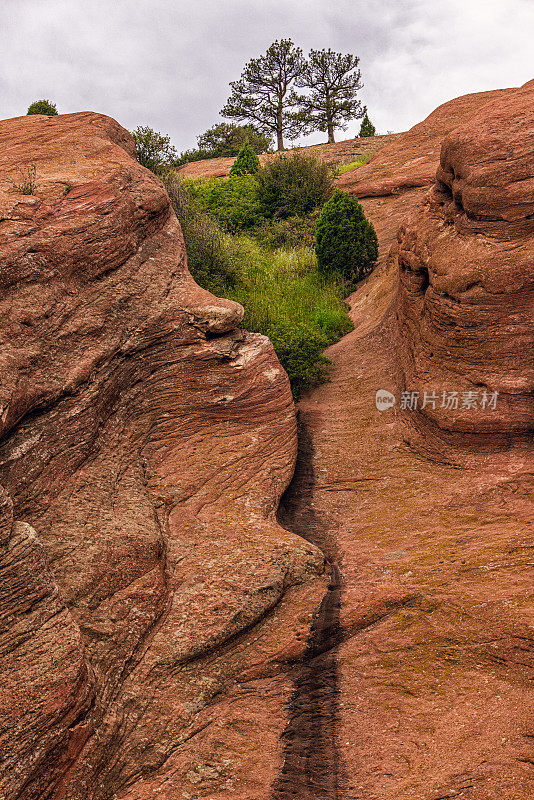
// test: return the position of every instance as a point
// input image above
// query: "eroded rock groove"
(311, 761)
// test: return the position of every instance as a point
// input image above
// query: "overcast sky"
(167, 63)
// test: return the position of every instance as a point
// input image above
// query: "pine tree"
(263, 93)
(367, 127)
(333, 80)
(246, 163)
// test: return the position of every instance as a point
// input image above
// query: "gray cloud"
(167, 63)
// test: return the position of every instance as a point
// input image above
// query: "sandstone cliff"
(145, 442)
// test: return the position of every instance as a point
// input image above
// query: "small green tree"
(346, 240)
(154, 150)
(293, 185)
(367, 128)
(42, 107)
(246, 163)
(226, 139)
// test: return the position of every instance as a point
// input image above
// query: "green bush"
(233, 202)
(300, 351)
(291, 232)
(43, 107)
(293, 185)
(226, 139)
(246, 163)
(154, 150)
(212, 258)
(346, 240)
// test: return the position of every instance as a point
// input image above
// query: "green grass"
(352, 165)
(301, 312)
(284, 295)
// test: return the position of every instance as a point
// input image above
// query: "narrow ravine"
(311, 768)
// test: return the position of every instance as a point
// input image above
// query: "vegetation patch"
(293, 185)
(234, 202)
(284, 294)
(246, 163)
(278, 205)
(154, 149)
(43, 107)
(27, 184)
(359, 162)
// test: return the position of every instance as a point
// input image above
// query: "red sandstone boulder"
(466, 259)
(147, 441)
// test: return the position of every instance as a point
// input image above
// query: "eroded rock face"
(410, 161)
(155, 633)
(147, 441)
(427, 693)
(44, 698)
(466, 260)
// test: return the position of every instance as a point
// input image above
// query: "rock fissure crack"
(310, 768)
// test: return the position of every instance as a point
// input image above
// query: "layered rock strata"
(145, 442)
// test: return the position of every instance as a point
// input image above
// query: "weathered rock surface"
(407, 166)
(146, 440)
(47, 682)
(410, 161)
(156, 628)
(429, 515)
(466, 301)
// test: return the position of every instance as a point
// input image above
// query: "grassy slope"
(284, 295)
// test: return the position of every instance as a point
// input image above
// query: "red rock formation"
(154, 638)
(410, 161)
(47, 682)
(407, 166)
(147, 441)
(466, 299)
(431, 692)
